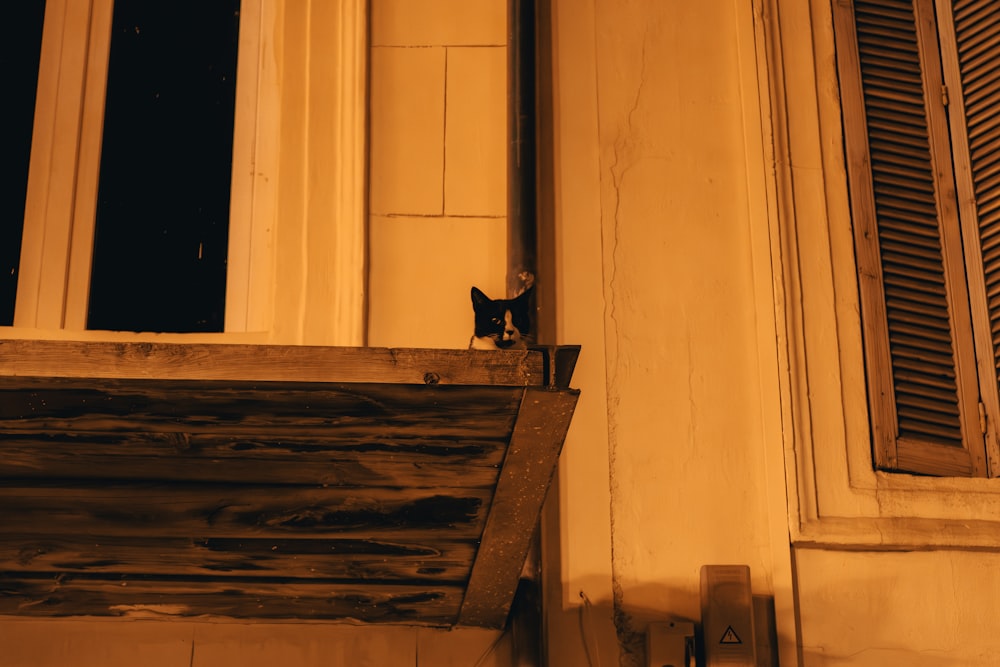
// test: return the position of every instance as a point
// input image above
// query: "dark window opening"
(162, 222)
(20, 50)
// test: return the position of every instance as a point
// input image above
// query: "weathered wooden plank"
(182, 361)
(215, 510)
(202, 457)
(39, 396)
(344, 559)
(247, 409)
(74, 595)
(531, 460)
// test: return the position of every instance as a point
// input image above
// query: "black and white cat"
(501, 324)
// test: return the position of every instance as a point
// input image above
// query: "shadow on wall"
(627, 641)
(624, 642)
(607, 634)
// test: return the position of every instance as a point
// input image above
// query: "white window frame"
(296, 263)
(836, 498)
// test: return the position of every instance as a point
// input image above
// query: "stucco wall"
(677, 173)
(438, 198)
(80, 643)
(665, 169)
(920, 609)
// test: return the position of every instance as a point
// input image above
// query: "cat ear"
(478, 298)
(526, 294)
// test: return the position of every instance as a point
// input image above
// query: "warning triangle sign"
(730, 636)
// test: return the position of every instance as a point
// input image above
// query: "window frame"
(836, 499)
(276, 218)
(950, 165)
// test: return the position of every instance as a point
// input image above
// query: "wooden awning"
(272, 482)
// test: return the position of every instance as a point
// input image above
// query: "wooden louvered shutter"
(970, 52)
(919, 346)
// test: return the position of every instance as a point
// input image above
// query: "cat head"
(503, 324)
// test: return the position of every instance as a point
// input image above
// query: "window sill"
(898, 534)
(30, 333)
(888, 511)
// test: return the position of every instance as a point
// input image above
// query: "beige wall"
(919, 609)
(438, 195)
(55, 643)
(664, 139)
(699, 166)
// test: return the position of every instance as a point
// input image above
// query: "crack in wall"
(631, 640)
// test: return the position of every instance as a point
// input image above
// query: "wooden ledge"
(221, 361)
(271, 482)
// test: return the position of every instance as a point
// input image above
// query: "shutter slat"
(907, 380)
(901, 227)
(985, 152)
(889, 76)
(927, 412)
(980, 83)
(971, 10)
(925, 390)
(888, 170)
(912, 264)
(921, 355)
(984, 129)
(914, 208)
(927, 308)
(987, 171)
(893, 240)
(917, 282)
(906, 150)
(913, 425)
(897, 125)
(990, 182)
(989, 209)
(911, 333)
(991, 259)
(978, 39)
(980, 34)
(895, 248)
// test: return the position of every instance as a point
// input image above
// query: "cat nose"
(509, 332)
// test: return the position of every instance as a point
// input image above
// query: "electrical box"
(727, 616)
(670, 644)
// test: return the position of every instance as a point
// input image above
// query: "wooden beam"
(385, 461)
(296, 363)
(326, 413)
(70, 594)
(139, 509)
(374, 560)
(531, 459)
